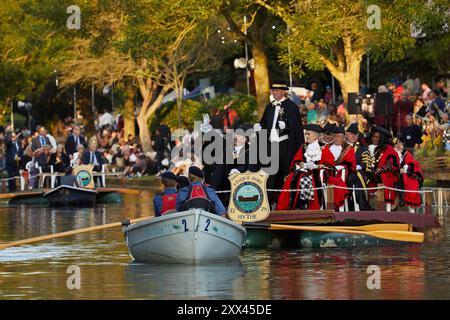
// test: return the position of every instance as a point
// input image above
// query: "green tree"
(336, 34)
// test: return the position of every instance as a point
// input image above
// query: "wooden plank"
(302, 212)
(121, 190)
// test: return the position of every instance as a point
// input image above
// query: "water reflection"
(38, 271)
(164, 281)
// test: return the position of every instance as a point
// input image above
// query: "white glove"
(282, 125)
(205, 127)
(339, 167)
(404, 169)
(358, 167)
(310, 166)
(233, 171)
(257, 127)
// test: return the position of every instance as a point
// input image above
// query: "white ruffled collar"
(313, 152)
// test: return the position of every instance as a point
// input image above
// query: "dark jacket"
(294, 128)
(71, 145)
(12, 149)
(86, 157)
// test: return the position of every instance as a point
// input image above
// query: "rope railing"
(339, 187)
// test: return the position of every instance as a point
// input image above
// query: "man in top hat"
(166, 201)
(198, 195)
(345, 164)
(327, 136)
(359, 199)
(305, 174)
(281, 118)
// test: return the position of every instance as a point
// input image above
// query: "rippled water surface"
(40, 271)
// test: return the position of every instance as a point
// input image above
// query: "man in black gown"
(281, 119)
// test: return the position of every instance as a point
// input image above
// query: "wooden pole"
(330, 199)
(68, 233)
(428, 200)
(380, 198)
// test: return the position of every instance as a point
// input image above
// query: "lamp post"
(74, 102)
(12, 115)
(246, 57)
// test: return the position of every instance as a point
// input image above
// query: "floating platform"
(36, 197)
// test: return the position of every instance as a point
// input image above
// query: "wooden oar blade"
(379, 226)
(404, 236)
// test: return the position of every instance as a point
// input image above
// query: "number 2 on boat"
(208, 221)
(185, 225)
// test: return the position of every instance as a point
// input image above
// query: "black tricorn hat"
(329, 128)
(339, 129)
(353, 128)
(169, 175)
(313, 127)
(196, 171)
(382, 131)
(279, 85)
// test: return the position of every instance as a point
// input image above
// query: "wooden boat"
(70, 196)
(191, 237)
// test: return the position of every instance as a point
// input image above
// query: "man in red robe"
(305, 174)
(411, 175)
(345, 164)
(386, 163)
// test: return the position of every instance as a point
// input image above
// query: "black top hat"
(169, 175)
(279, 85)
(196, 171)
(382, 131)
(339, 129)
(353, 128)
(329, 128)
(313, 127)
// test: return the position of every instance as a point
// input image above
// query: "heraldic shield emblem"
(84, 176)
(248, 201)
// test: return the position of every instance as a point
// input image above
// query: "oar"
(377, 227)
(67, 233)
(383, 234)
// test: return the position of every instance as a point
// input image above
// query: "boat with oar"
(71, 196)
(192, 237)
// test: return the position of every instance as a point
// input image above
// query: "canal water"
(40, 271)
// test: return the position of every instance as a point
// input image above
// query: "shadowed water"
(39, 271)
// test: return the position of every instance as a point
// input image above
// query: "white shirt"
(273, 132)
(372, 149)
(52, 141)
(105, 119)
(336, 151)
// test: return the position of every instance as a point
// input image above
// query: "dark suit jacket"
(71, 145)
(36, 144)
(86, 157)
(12, 151)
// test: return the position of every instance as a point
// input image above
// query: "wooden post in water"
(380, 198)
(428, 200)
(330, 199)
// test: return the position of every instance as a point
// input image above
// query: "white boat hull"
(190, 237)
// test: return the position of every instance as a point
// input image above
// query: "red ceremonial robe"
(412, 180)
(387, 170)
(347, 159)
(289, 201)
